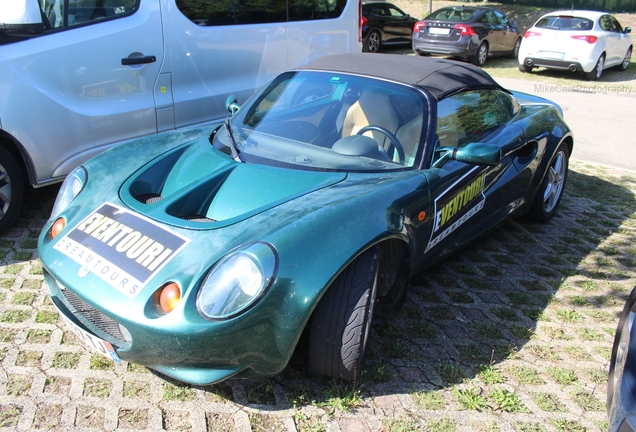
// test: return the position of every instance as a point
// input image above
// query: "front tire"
(341, 322)
(625, 64)
(479, 59)
(372, 42)
(596, 73)
(11, 189)
(551, 190)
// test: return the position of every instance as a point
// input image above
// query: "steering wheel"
(384, 131)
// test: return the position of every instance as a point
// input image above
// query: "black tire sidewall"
(629, 304)
(10, 165)
(538, 207)
(340, 323)
(475, 60)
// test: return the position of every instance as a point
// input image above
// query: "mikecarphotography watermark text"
(584, 88)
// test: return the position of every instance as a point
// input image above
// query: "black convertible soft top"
(440, 77)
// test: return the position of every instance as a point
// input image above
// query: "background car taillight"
(466, 30)
(587, 38)
(529, 33)
(363, 21)
(419, 26)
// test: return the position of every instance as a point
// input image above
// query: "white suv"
(80, 76)
(578, 41)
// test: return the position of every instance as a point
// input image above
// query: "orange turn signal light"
(57, 227)
(169, 297)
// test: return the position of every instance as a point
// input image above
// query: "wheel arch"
(21, 156)
(393, 274)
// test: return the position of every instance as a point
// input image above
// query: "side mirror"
(473, 154)
(478, 154)
(21, 18)
(627, 30)
(231, 104)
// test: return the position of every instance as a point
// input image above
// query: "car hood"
(197, 186)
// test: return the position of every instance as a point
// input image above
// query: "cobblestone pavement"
(513, 333)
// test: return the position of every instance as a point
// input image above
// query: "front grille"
(98, 319)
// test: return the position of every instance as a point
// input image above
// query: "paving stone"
(552, 336)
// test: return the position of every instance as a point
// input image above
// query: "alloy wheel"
(5, 191)
(556, 179)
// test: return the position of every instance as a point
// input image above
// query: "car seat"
(372, 108)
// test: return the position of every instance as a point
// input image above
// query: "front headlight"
(237, 281)
(72, 186)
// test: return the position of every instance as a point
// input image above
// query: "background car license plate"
(99, 345)
(551, 55)
(438, 31)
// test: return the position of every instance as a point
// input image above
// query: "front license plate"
(551, 55)
(99, 345)
(438, 31)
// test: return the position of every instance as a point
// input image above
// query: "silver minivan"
(80, 76)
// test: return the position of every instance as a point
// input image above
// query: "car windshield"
(452, 14)
(565, 22)
(329, 121)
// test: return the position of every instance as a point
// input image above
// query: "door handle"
(128, 61)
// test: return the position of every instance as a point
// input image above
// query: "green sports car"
(208, 253)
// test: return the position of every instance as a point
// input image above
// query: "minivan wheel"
(11, 189)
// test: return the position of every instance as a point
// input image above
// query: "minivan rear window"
(565, 22)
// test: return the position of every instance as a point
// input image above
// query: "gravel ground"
(513, 333)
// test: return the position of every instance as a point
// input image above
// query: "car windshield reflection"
(327, 121)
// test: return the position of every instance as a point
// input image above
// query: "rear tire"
(341, 323)
(551, 190)
(525, 69)
(479, 59)
(11, 189)
(372, 42)
(596, 73)
(515, 50)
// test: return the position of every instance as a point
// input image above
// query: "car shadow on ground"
(483, 306)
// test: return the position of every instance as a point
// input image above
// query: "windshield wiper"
(233, 145)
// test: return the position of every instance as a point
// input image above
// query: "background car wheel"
(372, 42)
(515, 50)
(525, 69)
(341, 323)
(596, 73)
(625, 64)
(620, 349)
(481, 55)
(549, 194)
(11, 189)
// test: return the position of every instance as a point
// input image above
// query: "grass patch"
(548, 402)
(470, 398)
(428, 400)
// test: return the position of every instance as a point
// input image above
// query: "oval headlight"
(72, 186)
(237, 281)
